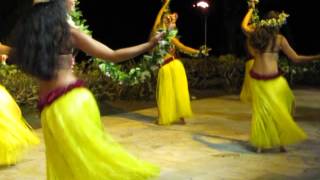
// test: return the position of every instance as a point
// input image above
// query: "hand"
(204, 50)
(3, 58)
(252, 3)
(158, 37)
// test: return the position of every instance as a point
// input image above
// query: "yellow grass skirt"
(15, 134)
(78, 148)
(245, 95)
(172, 93)
(272, 122)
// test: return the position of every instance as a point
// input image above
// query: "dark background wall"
(125, 23)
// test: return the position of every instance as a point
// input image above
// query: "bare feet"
(182, 121)
(259, 150)
(282, 149)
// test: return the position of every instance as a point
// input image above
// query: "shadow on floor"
(307, 174)
(138, 117)
(303, 113)
(232, 145)
(123, 106)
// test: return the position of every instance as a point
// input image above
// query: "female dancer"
(272, 99)
(77, 147)
(15, 134)
(172, 86)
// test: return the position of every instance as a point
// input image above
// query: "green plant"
(22, 87)
(142, 71)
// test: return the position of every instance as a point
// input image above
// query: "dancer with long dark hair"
(272, 100)
(77, 147)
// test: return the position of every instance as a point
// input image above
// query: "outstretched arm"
(185, 49)
(291, 54)
(245, 25)
(97, 49)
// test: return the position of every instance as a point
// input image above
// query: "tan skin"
(266, 63)
(65, 76)
(169, 22)
(4, 51)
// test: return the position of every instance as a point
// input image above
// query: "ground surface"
(213, 145)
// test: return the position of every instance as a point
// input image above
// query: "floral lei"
(143, 70)
(273, 22)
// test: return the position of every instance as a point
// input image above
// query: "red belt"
(56, 93)
(258, 76)
(167, 60)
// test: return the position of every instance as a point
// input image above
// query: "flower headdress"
(272, 22)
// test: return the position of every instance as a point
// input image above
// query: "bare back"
(266, 63)
(64, 76)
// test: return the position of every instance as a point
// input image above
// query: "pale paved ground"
(212, 146)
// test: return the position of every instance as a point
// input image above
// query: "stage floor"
(212, 146)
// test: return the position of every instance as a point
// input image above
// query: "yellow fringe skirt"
(15, 134)
(272, 123)
(245, 95)
(173, 98)
(78, 148)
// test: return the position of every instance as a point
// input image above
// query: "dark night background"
(124, 23)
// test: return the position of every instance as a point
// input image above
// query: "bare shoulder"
(74, 31)
(75, 34)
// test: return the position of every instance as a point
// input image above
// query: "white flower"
(153, 68)
(163, 42)
(144, 75)
(275, 22)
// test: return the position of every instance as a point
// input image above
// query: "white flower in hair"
(275, 22)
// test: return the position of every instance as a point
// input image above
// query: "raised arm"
(292, 55)
(245, 25)
(99, 50)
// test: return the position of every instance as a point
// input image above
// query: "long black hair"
(39, 37)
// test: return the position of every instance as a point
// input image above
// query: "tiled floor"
(213, 145)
